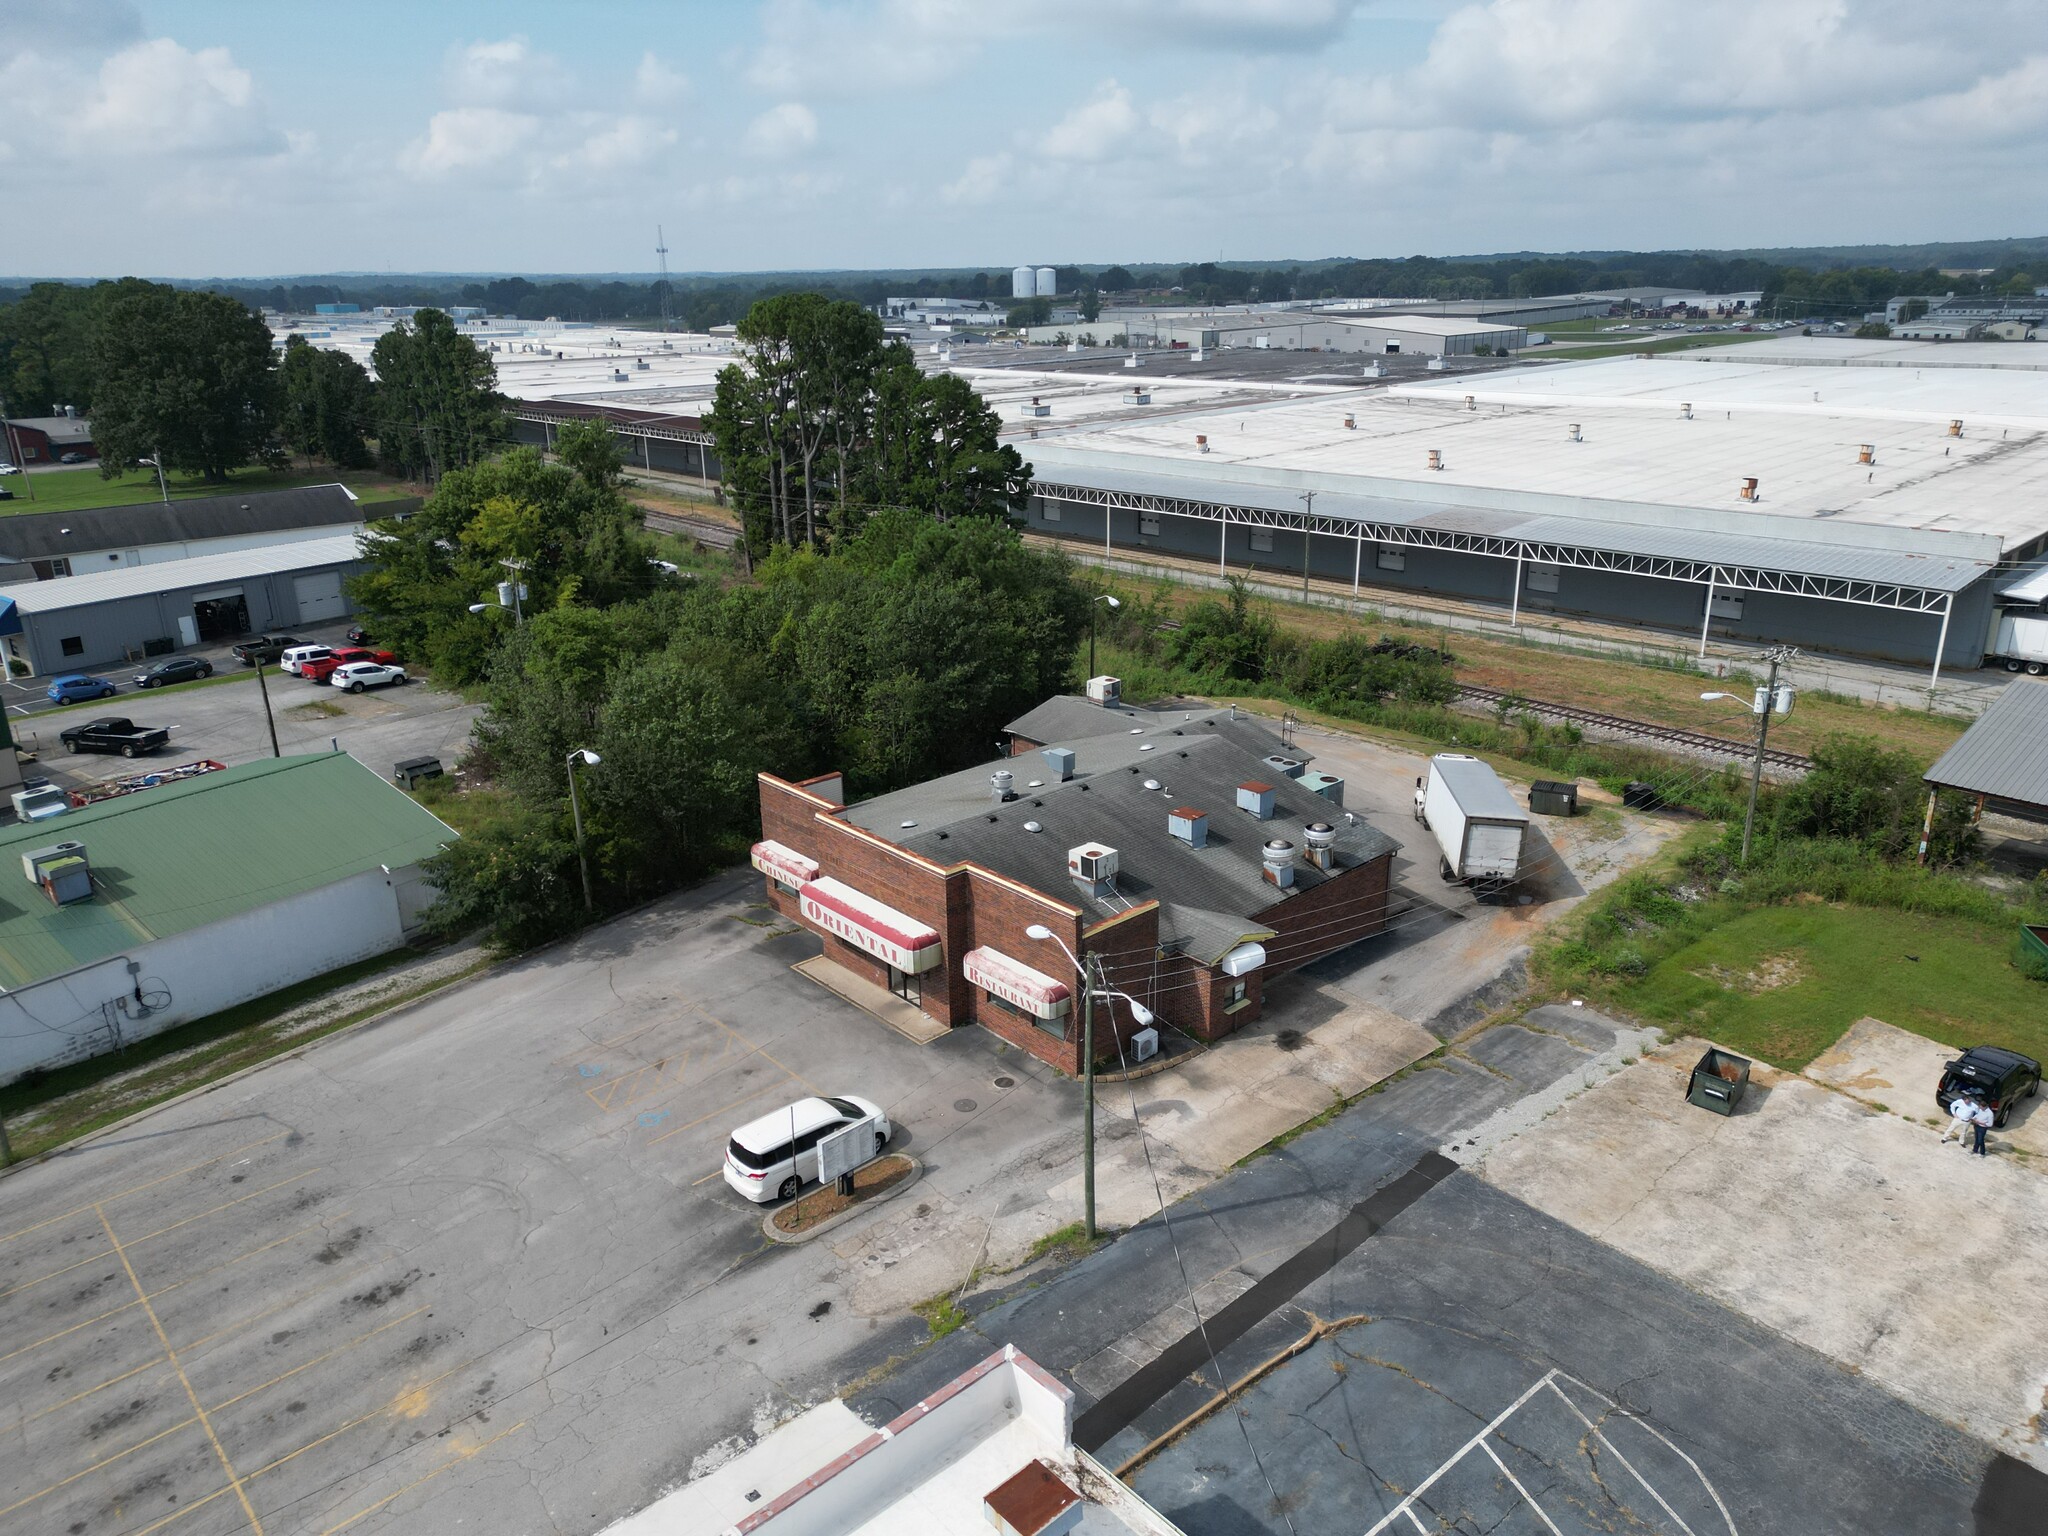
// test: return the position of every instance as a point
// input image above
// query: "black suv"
(2001, 1078)
(174, 669)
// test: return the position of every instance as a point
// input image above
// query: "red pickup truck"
(319, 671)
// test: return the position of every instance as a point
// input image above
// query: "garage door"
(319, 596)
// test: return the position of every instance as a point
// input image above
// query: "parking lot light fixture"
(1114, 604)
(591, 759)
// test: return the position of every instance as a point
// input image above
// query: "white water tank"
(1048, 282)
(1022, 283)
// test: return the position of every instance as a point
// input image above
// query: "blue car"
(74, 687)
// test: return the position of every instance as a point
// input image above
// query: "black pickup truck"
(114, 734)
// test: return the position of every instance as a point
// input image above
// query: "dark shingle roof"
(2005, 754)
(1067, 718)
(40, 535)
(1219, 888)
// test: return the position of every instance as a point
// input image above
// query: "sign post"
(843, 1151)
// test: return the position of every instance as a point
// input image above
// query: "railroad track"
(717, 535)
(1696, 741)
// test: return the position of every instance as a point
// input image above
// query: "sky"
(216, 138)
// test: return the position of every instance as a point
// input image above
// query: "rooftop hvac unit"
(1137, 396)
(1037, 407)
(1060, 760)
(1105, 690)
(1144, 1045)
(1256, 800)
(1286, 767)
(33, 861)
(1094, 863)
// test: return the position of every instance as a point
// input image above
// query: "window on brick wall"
(1057, 1028)
(1237, 994)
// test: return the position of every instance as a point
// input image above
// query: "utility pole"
(1777, 656)
(268, 718)
(1308, 500)
(1088, 982)
(576, 814)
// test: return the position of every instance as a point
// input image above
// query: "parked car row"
(353, 668)
(81, 687)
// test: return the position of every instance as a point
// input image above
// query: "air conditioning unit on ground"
(1145, 1045)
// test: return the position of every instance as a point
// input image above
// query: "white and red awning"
(784, 864)
(1017, 984)
(868, 924)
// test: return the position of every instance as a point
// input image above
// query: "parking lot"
(224, 720)
(474, 1268)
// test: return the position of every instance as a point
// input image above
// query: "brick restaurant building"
(1191, 851)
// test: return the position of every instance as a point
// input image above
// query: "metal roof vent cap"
(1000, 781)
(1576, 436)
(1151, 783)
(1685, 410)
(1320, 834)
(1032, 826)
(1277, 857)
(1436, 458)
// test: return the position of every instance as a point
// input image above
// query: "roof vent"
(1321, 838)
(1188, 825)
(1151, 783)
(1866, 453)
(1038, 407)
(1060, 760)
(1436, 458)
(1748, 491)
(1277, 857)
(1138, 396)
(1201, 442)
(1032, 826)
(1000, 781)
(1256, 799)
(1351, 421)
(1575, 434)
(1685, 410)
(1955, 427)
(1471, 402)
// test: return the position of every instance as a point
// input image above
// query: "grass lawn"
(1782, 983)
(70, 490)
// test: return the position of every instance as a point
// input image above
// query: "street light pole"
(576, 815)
(1308, 500)
(1763, 703)
(1101, 597)
(1092, 981)
(269, 719)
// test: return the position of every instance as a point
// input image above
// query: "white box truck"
(2022, 642)
(1478, 827)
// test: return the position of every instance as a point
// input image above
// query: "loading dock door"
(319, 596)
(220, 615)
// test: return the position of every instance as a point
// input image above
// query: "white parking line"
(1548, 1523)
(1403, 1508)
(1601, 1436)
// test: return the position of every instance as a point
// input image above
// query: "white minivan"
(771, 1158)
(295, 658)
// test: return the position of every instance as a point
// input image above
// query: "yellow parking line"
(317, 1359)
(743, 1040)
(164, 1339)
(78, 1210)
(455, 1461)
(764, 1088)
(227, 1205)
(105, 1461)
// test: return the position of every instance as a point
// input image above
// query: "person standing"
(1981, 1118)
(1962, 1118)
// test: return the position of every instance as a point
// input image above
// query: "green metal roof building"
(207, 892)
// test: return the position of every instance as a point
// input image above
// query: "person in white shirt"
(1961, 1117)
(1983, 1119)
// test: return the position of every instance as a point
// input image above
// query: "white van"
(771, 1158)
(295, 658)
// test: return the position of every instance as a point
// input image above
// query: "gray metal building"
(119, 615)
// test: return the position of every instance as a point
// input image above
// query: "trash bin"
(1554, 797)
(1719, 1081)
(411, 773)
(1638, 796)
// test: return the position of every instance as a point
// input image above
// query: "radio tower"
(661, 250)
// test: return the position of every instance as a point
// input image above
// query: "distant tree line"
(189, 377)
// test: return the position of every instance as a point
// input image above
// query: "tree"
(45, 341)
(575, 543)
(1030, 312)
(180, 373)
(1116, 280)
(1091, 304)
(1873, 330)
(436, 408)
(935, 448)
(328, 400)
(591, 449)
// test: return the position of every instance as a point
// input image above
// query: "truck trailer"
(2021, 642)
(1478, 828)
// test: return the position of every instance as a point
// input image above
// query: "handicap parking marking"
(590, 1069)
(653, 1117)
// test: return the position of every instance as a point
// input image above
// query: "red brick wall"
(1338, 912)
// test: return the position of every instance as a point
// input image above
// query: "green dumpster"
(2034, 938)
(1718, 1081)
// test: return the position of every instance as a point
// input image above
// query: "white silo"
(1048, 282)
(1023, 283)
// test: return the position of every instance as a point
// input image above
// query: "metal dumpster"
(2034, 938)
(414, 771)
(1638, 796)
(1719, 1081)
(1554, 797)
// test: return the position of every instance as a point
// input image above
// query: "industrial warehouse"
(1190, 851)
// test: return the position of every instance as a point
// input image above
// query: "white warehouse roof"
(180, 575)
(1421, 325)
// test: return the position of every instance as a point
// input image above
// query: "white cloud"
(61, 26)
(621, 144)
(466, 140)
(158, 98)
(1098, 129)
(656, 84)
(782, 131)
(982, 181)
(507, 73)
(814, 48)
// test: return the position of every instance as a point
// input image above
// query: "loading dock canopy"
(865, 923)
(1017, 983)
(2004, 756)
